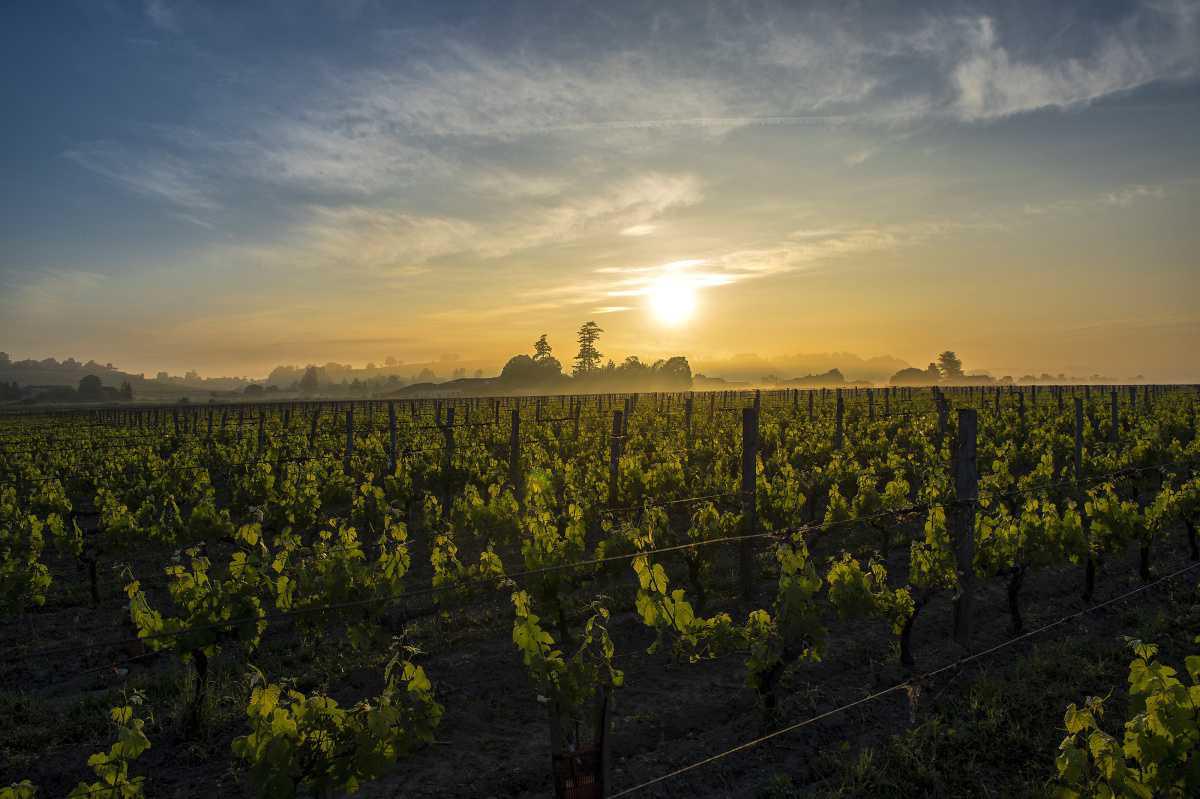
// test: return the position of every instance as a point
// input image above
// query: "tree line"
(89, 389)
(947, 369)
(541, 371)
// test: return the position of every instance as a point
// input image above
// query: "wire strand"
(901, 686)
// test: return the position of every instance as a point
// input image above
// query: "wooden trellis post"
(614, 458)
(749, 503)
(687, 423)
(349, 438)
(393, 455)
(514, 457)
(838, 430)
(1089, 577)
(1114, 417)
(966, 493)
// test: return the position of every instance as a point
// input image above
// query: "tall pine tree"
(589, 357)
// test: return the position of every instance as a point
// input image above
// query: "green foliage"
(1172, 505)
(1159, 753)
(119, 524)
(1115, 523)
(838, 511)
(879, 508)
(310, 534)
(256, 487)
(568, 680)
(337, 570)
(931, 560)
(549, 542)
(669, 613)
(795, 631)
(708, 524)
(112, 767)
(310, 741)
(498, 512)
(296, 499)
(781, 497)
(449, 572)
(207, 610)
(19, 790)
(1041, 536)
(856, 593)
(24, 578)
(208, 523)
(49, 497)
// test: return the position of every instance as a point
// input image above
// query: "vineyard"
(656, 594)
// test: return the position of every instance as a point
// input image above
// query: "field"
(853, 593)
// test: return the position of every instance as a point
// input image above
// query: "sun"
(672, 300)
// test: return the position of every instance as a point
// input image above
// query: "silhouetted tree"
(310, 382)
(90, 388)
(932, 373)
(949, 366)
(910, 377)
(521, 371)
(589, 357)
(541, 348)
(126, 390)
(632, 366)
(676, 371)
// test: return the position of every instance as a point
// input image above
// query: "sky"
(230, 186)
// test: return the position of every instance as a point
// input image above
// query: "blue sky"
(227, 186)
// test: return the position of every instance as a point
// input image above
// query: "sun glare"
(672, 300)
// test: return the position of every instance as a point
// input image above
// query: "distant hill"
(463, 386)
(50, 372)
(753, 368)
(68, 372)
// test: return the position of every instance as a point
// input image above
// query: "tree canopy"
(949, 365)
(588, 359)
(524, 372)
(910, 377)
(311, 382)
(90, 388)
